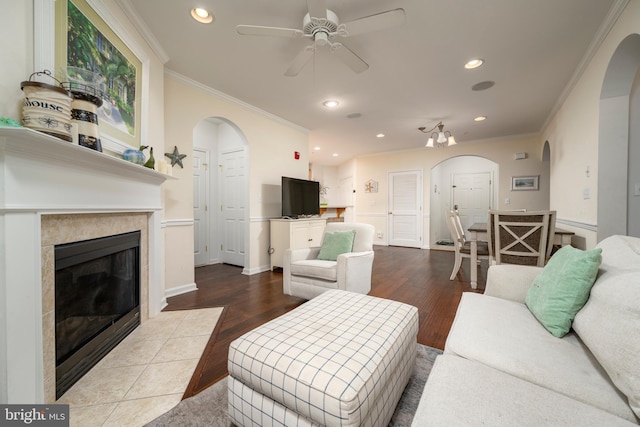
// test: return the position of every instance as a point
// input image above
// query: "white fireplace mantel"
(40, 175)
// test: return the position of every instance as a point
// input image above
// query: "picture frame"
(371, 186)
(100, 58)
(525, 183)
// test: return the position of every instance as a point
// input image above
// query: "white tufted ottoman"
(341, 359)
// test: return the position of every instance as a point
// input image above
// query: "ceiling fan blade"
(379, 21)
(347, 56)
(300, 61)
(317, 8)
(256, 30)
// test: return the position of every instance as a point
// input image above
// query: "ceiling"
(416, 75)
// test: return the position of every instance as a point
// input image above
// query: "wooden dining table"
(478, 231)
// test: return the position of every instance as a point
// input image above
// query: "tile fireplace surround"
(53, 192)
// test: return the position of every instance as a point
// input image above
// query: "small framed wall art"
(525, 183)
(371, 186)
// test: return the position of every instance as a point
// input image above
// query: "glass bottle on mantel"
(151, 163)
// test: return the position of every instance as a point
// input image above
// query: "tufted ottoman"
(341, 359)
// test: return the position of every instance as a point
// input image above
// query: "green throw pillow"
(335, 243)
(563, 287)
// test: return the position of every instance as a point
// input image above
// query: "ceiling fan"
(322, 27)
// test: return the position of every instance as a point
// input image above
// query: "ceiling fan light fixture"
(429, 143)
(201, 15)
(322, 27)
(452, 140)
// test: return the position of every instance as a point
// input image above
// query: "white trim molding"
(577, 224)
(179, 290)
(44, 29)
(214, 92)
(188, 222)
(614, 13)
(143, 29)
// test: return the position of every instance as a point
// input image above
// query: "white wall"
(372, 207)
(16, 54)
(573, 134)
(271, 146)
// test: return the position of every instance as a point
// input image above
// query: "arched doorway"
(619, 143)
(220, 199)
(445, 178)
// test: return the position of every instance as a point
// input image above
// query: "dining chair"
(524, 238)
(461, 245)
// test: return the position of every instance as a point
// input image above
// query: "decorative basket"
(84, 113)
(47, 108)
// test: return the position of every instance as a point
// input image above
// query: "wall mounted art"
(522, 183)
(89, 53)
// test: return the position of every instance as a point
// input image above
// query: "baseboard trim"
(251, 271)
(179, 290)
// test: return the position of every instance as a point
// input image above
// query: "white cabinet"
(294, 234)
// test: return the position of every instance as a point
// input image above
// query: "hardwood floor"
(414, 276)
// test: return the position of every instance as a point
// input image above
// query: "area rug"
(209, 407)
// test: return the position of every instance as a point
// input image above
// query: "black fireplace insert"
(97, 301)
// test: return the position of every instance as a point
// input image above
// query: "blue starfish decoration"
(176, 157)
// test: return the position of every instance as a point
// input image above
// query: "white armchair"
(305, 276)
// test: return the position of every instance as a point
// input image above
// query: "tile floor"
(146, 374)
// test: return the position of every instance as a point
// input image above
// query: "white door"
(233, 207)
(405, 208)
(471, 196)
(200, 206)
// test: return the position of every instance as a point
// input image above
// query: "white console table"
(294, 234)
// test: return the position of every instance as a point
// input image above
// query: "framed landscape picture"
(89, 53)
(522, 183)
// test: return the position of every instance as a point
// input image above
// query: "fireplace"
(97, 301)
(54, 193)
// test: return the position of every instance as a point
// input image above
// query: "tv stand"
(294, 234)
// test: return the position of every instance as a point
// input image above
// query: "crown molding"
(143, 29)
(116, 26)
(218, 94)
(607, 24)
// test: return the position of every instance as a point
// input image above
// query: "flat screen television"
(300, 197)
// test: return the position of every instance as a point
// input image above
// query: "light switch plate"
(636, 189)
(586, 194)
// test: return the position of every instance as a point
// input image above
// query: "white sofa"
(502, 367)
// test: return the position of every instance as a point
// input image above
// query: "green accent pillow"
(335, 243)
(563, 288)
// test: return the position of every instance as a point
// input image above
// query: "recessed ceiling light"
(330, 103)
(201, 15)
(380, 135)
(474, 63)
(316, 148)
(480, 118)
(335, 154)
